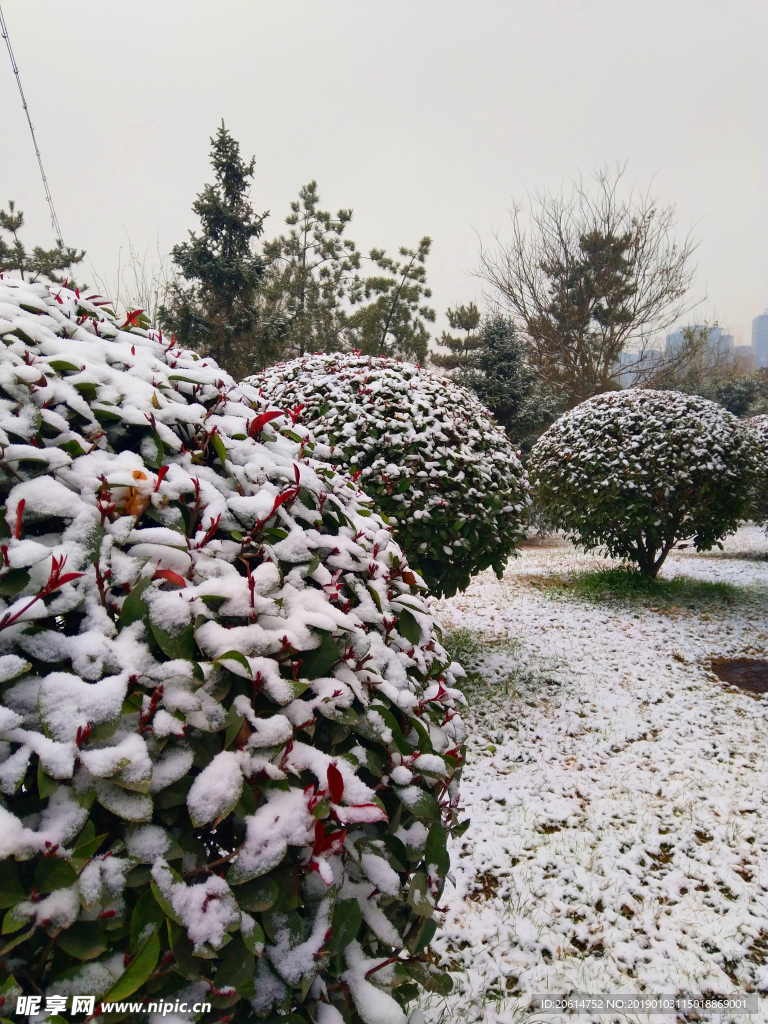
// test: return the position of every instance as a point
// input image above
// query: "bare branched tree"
(588, 277)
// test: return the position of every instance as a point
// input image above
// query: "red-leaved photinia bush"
(637, 471)
(759, 427)
(426, 451)
(229, 736)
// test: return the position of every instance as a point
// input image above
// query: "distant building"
(634, 365)
(719, 343)
(760, 340)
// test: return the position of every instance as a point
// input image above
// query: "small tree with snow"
(229, 736)
(637, 471)
(426, 451)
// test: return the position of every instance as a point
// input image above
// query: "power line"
(14, 65)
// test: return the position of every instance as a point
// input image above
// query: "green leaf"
(408, 627)
(146, 914)
(64, 366)
(46, 786)
(237, 969)
(13, 921)
(86, 850)
(424, 807)
(11, 891)
(174, 795)
(13, 581)
(218, 447)
(278, 921)
(320, 661)
(175, 645)
(138, 970)
(84, 940)
(435, 851)
(236, 656)
(345, 924)
(258, 895)
(417, 895)
(164, 903)
(246, 805)
(254, 939)
(134, 607)
(390, 721)
(186, 964)
(154, 458)
(422, 937)
(54, 873)
(461, 828)
(17, 941)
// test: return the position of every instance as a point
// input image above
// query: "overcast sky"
(427, 117)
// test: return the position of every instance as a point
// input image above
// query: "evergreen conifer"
(393, 323)
(46, 262)
(213, 304)
(463, 352)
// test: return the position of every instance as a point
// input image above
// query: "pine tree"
(393, 322)
(505, 382)
(213, 305)
(312, 274)
(47, 262)
(463, 352)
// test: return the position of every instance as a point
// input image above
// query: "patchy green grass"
(497, 674)
(625, 584)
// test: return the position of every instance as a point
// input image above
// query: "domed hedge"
(636, 471)
(424, 449)
(229, 736)
(759, 427)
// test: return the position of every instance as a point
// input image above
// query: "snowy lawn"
(618, 791)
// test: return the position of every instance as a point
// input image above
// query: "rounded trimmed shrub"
(229, 736)
(426, 451)
(759, 427)
(637, 471)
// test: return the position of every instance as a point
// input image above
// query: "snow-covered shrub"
(637, 471)
(229, 736)
(759, 510)
(427, 452)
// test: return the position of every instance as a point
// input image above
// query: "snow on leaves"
(637, 471)
(213, 656)
(424, 449)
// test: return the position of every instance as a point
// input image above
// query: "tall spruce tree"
(213, 304)
(311, 276)
(394, 320)
(463, 352)
(506, 383)
(48, 262)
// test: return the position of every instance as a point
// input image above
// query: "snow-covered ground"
(618, 791)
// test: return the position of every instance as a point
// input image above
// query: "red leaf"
(19, 516)
(171, 576)
(259, 422)
(281, 500)
(334, 843)
(68, 577)
(131, 319)
(335, 783)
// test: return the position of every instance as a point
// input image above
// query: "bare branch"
(588, 276)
